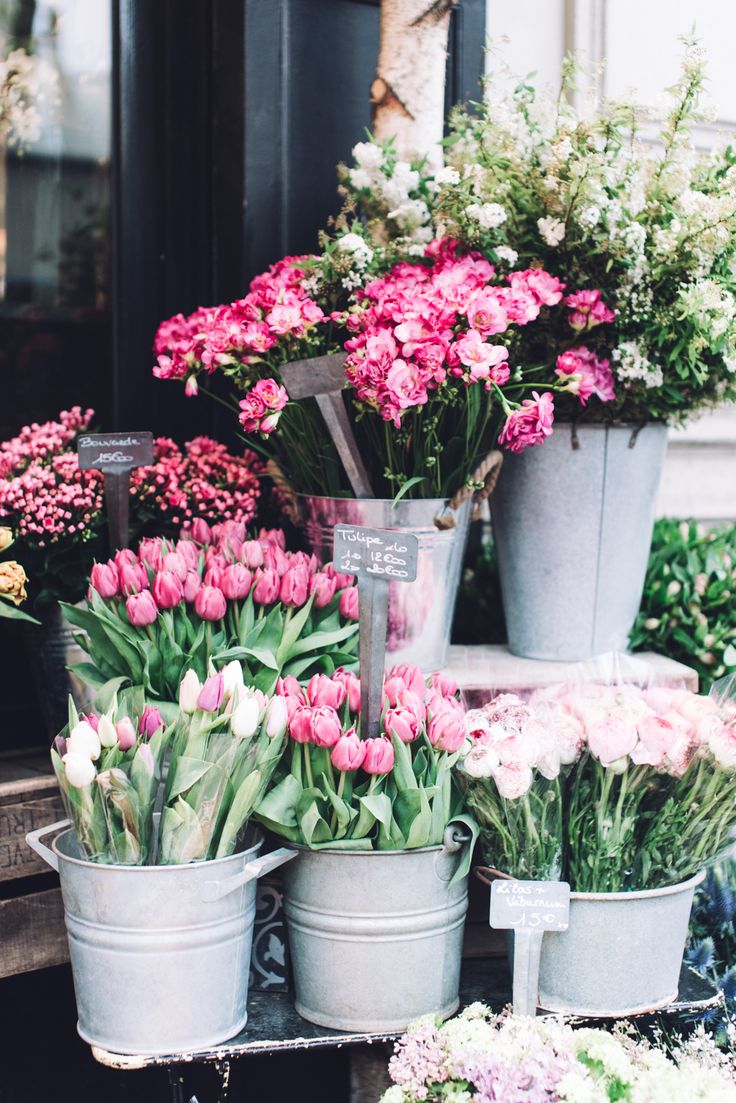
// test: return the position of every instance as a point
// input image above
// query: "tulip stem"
(308, 766)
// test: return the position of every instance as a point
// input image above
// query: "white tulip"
(246, 718)
(232, 677)
(106, 732)
(277, 717)
(84, 740)
(189, 690)
(80, 769)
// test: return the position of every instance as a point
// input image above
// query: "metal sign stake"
(117, 502)
(373, 594)
(115, 455)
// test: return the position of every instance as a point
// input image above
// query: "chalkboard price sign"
(115, 454)
(534, 905)
(378, 553)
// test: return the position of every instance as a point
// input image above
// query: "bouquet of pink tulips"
(109, 767)
(609, 787)
(214, 595)
(393, 792)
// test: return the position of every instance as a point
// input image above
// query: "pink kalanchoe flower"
(212, 693)
(105, 579)
(141, 609)
(349, 604)
(167, 590)
(126, 733)
(322, 690)
(235, 582)
(349, 751)
(379, 756)
(352, 688)
(325, 724)
(210, 603)
(402, 723)
(529, 425)
(266, 586)
(300, 724)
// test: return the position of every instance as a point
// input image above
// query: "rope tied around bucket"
(479, 486)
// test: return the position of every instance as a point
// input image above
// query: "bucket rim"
(402, 503)
(436, 847)
(208, 864)
(481, 873)
(654, 423)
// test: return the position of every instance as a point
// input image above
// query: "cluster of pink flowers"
(51, 500)
(261, 408)
(324, 713)
(586, 374)
(38, 442)
(587, 310)
(209, 566)
(202, 479)
(276, 309)
(664, 728)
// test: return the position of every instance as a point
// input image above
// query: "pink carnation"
(529, 425)
(587, 310)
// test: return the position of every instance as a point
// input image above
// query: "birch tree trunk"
(408, 93)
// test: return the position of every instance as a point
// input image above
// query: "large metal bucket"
(573, 527)
(621, 954)
(375, 936)
(160, 954)
(419, 613)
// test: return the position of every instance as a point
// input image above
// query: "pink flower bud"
(251, 554)
(210, 603)
(167, 590)
(324, 691)
(231, 549)
(342, 581)
(326, 726)
(125, 558)
(200, 531)
(379, 756)
(175, 563)
(273, 536)
(412, 678)
(300, 724)
(92, 719)
(310, 562)
(104, 579)
(133, 578)
(349, 603)
(445, 686)
(294, 586)
(402, 723)
(191, 387)
(265, 586)
(150, 721)
(141, 609)
(349, 751)
(211, 694)
(392, 687)
(446, 731)
(289, 687)
(213, 576)
(146, 756)
(213, 557)
(352, 685)
(276, 559)
(192, 586)
(235, 581)
(126, 733)
(151, 551)
(189, 552)
(323, 587)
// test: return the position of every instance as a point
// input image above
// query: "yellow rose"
(6, 538)
(13, 582)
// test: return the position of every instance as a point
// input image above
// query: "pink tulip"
(125, 558)
(141, 609)
(445, 686)
(392, 687)
(326, 691)
(211, 694)
(213, 557)
(231, 549)
(411, 676)
(348, 603)
(230, 530)
(146, 757)
(192, 586)
(133, 578)
(323, 587)
(251, 554)
(210, 604)
(379, 756)
(167, 590)
(235, 581)
(150, 721)
(213, 576)
(126, 733)
(294, 586)
(104, 578)
(446, 731)
(92, 719)
(201, 531)
(405, 699)
(289, 687)
(342, 581)
(189, 552)
(175, 563)
(273, 536)
(276, 559)
(352, 686)
(300, 724)
(402, 723)
(309, 562)
(266, 586)
(151, 550)
(325, 725)
(349, 751)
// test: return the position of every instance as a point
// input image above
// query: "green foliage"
(712, 947)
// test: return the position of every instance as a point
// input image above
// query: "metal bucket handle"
(453, 841)
(215, 890)
(33, 838)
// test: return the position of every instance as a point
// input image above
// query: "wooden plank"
(32, 933)
(25, 805)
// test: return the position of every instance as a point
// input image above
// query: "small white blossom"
(447, 175)
(505, 253)
(630, 364)
(368, 155)
(487, 215)
(552, 230)
(360, 179)
(358, 246)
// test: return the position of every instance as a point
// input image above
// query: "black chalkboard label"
(376, 553)
(114, 451)
(534, 905)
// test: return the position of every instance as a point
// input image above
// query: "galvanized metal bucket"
(621, 954)
(160, 954)
(419, 613)
(375, 936)
(572, 522)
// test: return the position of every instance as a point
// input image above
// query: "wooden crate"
(32, 932)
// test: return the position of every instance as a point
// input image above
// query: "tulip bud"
(276, 559)
(141, 609)
(392, 687)
(412, 678)
(289, 687)
(175, 563)
(323, 587)
(126, 733)
(232, 677)
(300, 725)
(235, 581)
(106, 778)
(342, 581)
(402, 723)
(379, 756)
(210, 603)
(106, 732)
(446, 731)
(277, 717)
(92, 719)
(192, 586)
(273, 536)
(352, 687)
(265, 586)
(126, 557)
(189, 552)
(349, 604)
(6, 538)
(201, 531)
(167, 589)
(150, 721)
(251, 554)
(211, 694)
(294, 586)
(445, 686)
(145, 754)
(133, 578)
(79, 769)
(326, 726)
(326, 691)
(213, 576)
(245, 720)
(104, 579)
(191, 387)
(349, 751)
(151, 550)
(84, 740)
(189, 690)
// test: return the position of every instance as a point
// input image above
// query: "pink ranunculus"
(192, 586)
(656, 735)
(323, 588)
(379, 756)
(349, 752)
(611, 738)
(235, 582)
(210, 603)
(349, 604)
(722, 744)
(167, 590)
(141, 609)
(105, 579)
(529, 425)
(175, 563)
(251, 554)
(126, 733)
(513, 780)
(322, 690)
(325, 725)
(352, 688)
(402, 723)
(150, 721)
(266, 584)
(294, 586)
(201, 531)
(300, 724)
(212, 693)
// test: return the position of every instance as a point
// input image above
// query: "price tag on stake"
(376, 556)
(528, 908)
(116, 454)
